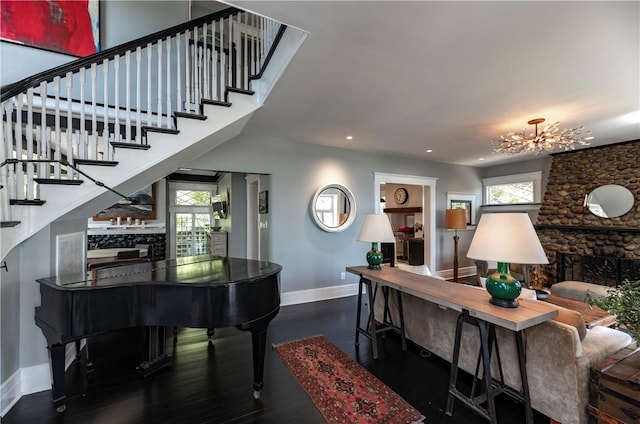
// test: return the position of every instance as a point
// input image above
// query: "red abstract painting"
(66, 26)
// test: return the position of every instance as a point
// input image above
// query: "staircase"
(75, 136)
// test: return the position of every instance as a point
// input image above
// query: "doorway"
(253, 232)
(427, 205)
(190, 218)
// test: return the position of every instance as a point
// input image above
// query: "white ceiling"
(403, 77)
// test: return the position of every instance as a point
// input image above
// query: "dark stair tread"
(160, 130)
(190, 116)
(8, 224)
(215, 103)
(57, 181)
(136, 146)
(240, 90)
(95, 162)
(27, 202)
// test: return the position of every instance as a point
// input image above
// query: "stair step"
(195, 116)
(146, 130)
(240, 90)
(8, 224)
(95, 162)
(190, 116)
(214, 103)
(56, 181)
(136, 146)
(27, 202)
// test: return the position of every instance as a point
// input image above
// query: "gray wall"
(312, 258)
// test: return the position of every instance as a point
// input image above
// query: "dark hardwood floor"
(213, 383)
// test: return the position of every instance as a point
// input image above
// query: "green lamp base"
(503, 288)
(374, 257)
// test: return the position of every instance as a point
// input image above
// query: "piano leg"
(259, 342)
(57, 352)
(155, 357)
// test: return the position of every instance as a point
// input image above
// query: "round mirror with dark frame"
(333, 208)
(609, 201)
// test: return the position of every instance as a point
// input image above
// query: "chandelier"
(550, 137)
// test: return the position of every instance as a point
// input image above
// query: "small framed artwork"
(463, 201)
(263, 202)
(144, 208)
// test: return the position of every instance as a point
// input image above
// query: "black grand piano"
(199, 291)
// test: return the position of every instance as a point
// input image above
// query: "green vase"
(503, 288)
(374, 257)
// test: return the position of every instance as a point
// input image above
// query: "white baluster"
(5, 214)
(105, 132)
(196, 67)
(19, 179)
(159, 83)
(18, 128)
(127, 61)
(205, 71)
(138, 95)
(67, 129)
(70, 158)
(187, 70)
(169, 108)
(230, 55)
(43, 151)
(179, 73)
(56, 129)
(29, 136)
(245, 63)
(116, 107)
(223, 62)
(236, 35)
(94, 112)
(149, 109)
(215, 95)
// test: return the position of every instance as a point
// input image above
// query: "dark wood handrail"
(11, 90)
(276, 41)
(65, 163)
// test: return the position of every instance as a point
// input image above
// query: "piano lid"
(193, 270)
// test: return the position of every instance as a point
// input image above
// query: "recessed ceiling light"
(349, 137)
(480, 158)
(429, 150)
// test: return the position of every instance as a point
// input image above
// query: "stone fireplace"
(565, 224)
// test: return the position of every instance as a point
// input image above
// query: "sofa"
(559, 352)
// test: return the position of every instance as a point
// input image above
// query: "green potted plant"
(624, 303)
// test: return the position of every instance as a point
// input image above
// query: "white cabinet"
(218, 243)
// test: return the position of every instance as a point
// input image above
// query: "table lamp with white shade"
(376, 228)
(506, 238)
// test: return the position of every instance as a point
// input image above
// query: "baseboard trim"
(314, 295)
(28, 380)
(23, 382)
(11, 393)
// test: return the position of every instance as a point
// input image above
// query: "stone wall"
(157, 243)
(564, 224)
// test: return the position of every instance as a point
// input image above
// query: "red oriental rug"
(342, 389)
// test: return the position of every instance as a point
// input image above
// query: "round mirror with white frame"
(333, 208)
(609, 201)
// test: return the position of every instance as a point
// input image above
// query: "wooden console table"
(475, 309)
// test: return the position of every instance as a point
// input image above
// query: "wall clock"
(401, 195)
